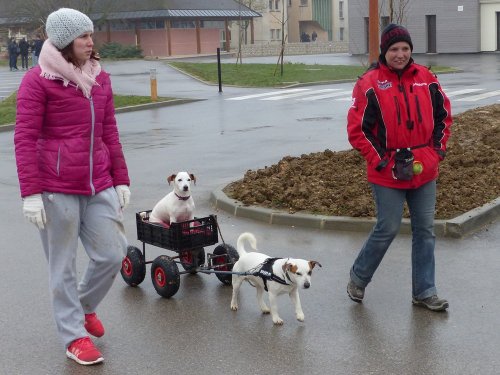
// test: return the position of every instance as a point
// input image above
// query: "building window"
(271, 4)
(183, 24)
(276, 4)
(289, 3)
(341, 10)
(341, 34)
(212, 24)
(121, 25)
(275, 34)
(304, 3)
(155, 24)
(384, 21)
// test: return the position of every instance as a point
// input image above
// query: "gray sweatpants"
(97, 221)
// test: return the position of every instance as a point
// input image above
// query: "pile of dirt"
(334, 183)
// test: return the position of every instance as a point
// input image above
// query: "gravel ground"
(334, 183)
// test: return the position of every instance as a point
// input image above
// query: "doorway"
(498, 31)
(431, 33)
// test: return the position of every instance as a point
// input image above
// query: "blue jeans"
(389, 204)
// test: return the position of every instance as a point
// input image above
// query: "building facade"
(298, 20)
(464, 26)
(159, 28)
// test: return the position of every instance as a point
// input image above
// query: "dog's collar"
(182, 198)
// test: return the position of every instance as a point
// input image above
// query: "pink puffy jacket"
(65, 142)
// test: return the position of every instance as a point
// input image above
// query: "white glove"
(123, 195)
(33, 210)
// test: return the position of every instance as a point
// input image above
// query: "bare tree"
(256, 5)
(36, 11)
(283, 21)
(396, 10)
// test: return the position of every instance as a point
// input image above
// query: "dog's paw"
(301, 317)
(265, 310)
(278, 321)
(234, 307)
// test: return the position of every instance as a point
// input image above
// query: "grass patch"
(8, 106)
(8, 110)
(269, 75)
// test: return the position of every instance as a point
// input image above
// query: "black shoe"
(432, 303)
(355, 292)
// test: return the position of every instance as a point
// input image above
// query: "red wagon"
(187, 239)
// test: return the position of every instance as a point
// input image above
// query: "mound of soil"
(334, 183)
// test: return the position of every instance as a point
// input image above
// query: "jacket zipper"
(419, 114)
(58, 161)
(91, 161)
(409, 122)
(398, 109)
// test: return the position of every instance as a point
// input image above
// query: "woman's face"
(398, 55)
(82, 48)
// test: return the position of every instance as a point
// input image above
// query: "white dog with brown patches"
(275, 275)
(178, 205)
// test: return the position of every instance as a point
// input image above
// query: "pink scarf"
(54, 66)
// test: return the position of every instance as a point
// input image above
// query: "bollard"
(154, 86)
(219, 73)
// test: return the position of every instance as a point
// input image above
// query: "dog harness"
(266, 272)
(182, 198)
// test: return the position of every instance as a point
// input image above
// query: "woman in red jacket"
(73, 176)
(400, 122)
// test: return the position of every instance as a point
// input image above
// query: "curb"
(132, 108)
(457, 227)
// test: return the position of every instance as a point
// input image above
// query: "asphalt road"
(195, 331)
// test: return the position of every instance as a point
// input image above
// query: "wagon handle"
(218, 228)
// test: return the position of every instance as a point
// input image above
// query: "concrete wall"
(268, 49)
(456, 31)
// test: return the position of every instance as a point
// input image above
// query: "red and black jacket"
(392, 110)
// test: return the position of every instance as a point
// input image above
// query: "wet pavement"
(195, 331)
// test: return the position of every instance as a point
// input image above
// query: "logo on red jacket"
(384, 85)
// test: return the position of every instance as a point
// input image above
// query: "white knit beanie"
(65, 25)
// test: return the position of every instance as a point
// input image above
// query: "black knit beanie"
(392, 34)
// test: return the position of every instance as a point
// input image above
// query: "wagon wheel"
(165, 276)
(192, 259)
(133, 267)
(225, 263)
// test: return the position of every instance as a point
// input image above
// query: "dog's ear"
(312, 263)
(171, 178)
(192, 177)
(289, 267)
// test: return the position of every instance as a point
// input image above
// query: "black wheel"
(191, 259)
(133, 267)
(165, 276)
(225, 263)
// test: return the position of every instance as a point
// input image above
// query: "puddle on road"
(150, 139)
(253, 128)
(315, 119)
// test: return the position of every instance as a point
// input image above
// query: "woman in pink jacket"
(73, 176)
(400, 122)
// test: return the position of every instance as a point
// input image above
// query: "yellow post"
(154, 86)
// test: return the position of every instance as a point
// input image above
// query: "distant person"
(24, 50)
(73, 176)
(400, 121)
(13, 50)
(36, 47)
(314, 36)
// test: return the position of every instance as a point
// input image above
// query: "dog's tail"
(240, 245)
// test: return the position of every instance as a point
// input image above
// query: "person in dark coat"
(36, 47)
(24, 49)
(12, 49)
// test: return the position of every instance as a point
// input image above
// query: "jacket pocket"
(429, 160)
